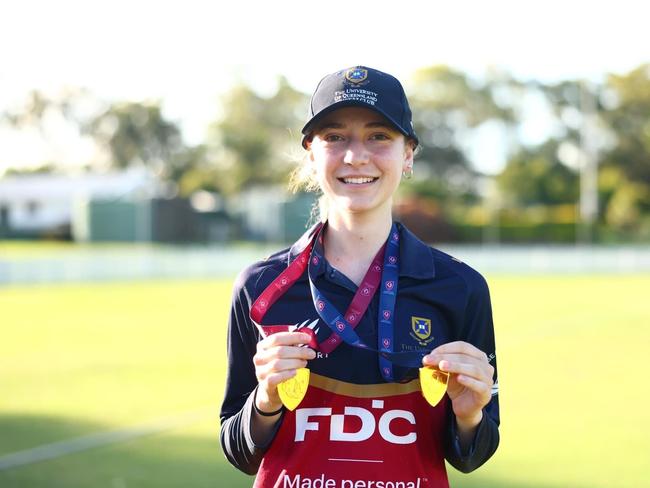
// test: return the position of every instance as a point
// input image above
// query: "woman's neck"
(351, 242)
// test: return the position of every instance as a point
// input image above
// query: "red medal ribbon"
(279, 286)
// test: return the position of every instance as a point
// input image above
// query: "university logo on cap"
(356, 75)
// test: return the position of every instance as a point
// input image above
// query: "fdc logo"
(369, 424)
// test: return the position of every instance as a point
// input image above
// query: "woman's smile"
(358, 180)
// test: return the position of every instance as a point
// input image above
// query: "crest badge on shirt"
(421, 330)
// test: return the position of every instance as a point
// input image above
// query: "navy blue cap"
(361, 86)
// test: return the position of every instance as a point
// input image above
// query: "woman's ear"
(310, 152)
(409, 153)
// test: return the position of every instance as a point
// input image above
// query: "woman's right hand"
(277, 358)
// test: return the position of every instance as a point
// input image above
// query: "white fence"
(139, 263)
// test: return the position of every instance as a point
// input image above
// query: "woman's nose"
(355, 153)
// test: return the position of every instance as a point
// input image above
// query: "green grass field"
(83, 359)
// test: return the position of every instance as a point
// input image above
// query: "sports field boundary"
(90, 264)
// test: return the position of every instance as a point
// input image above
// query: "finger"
(434, 359)
(286, 352)
(276, 378)
(283, 352)
(465, 369)
(277, 365)
(459, 347)
(284, 339)
(480, 387)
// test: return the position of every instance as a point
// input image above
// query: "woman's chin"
(357, 206)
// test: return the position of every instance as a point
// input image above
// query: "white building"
(32, 204)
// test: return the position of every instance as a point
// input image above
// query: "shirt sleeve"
(478, 330)
(237, 407)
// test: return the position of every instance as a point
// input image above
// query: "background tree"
(55, 122)
(256, 141)
(32, 113)
(535, 176)
(622, 138)
(257, 138)
(446, 107)
(625, 168)
(628, 115)
(136, 133)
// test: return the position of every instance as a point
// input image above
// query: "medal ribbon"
(282, 283)
(342, 326)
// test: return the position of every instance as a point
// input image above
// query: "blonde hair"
(303, 178)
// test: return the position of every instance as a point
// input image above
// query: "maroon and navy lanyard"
(381, 271)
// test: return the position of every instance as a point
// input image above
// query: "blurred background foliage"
(534, 196)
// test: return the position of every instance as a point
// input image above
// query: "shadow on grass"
(159, 460)
(155, 461)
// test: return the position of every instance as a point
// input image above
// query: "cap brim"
(309, 126)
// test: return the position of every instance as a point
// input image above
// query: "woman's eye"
(380, 137)
(333, 138)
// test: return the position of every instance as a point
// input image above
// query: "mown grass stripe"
(70, 446)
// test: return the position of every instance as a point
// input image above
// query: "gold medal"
(293, 390)
(434, 384)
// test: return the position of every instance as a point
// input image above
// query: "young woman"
(362, 304)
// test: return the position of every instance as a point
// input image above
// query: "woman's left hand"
(470, 379)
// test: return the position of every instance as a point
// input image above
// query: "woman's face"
(358, 157)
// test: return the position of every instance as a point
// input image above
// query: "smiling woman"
(358, 158)
(327, 339)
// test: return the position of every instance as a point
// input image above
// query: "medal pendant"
(293, 390)
(434, 384)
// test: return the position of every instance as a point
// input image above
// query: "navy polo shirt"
(449, 297)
